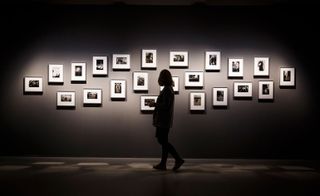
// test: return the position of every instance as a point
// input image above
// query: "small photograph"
(66, 99)
(212, 60)
(220, 96)
(235, 67)
(121, 61)
(92, 96)
(261, 66)
(194, 79)
(243, 89)
(99, 65)
(55, 73)
(175, 84)
(197, 101)
(287, 76)
(140, 81)
(266, 89)
(147, 102)
(33, 84)
(149, 59)
(78, 72)
(179, 59)
(118, 89)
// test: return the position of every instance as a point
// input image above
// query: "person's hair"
(165, 78)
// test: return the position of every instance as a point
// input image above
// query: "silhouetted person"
(163, 119)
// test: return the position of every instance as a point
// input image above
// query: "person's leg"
(162, 137)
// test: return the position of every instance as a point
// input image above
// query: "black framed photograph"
(78, 72)
(266, 89)
(92, 96)
(140, 81)
(175, 84)
(55, 73)
(242, 89)
(194, 79)
(100, 66)
(121, 61)
(197, 101)
(212, 60)
(287, 77)
(147, 102)
(66, 99)
(235, 67)
(220, 96)
(33, 84)
(118, 89)
(149, 59)
(261, 66)
(179, 59)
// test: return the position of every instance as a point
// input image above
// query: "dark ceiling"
(166, 2)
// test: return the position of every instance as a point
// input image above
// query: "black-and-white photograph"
(265, 89)
(197, 100)
(194, 78)
(56, 72)
(66, 98)
(149, 57)
(78, 71)
(147, 102)
(212, 59)
(261, 66)
(117, 87)
(286, 75)
(34, 83)
(178, 58)
(220, 95)
(99, 64)
(121, 60)
(243, 88)
(235, 66)
(92, 95)
(140, 81)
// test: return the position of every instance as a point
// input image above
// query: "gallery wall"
(37, 35)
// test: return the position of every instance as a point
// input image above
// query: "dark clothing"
(162, 136)
(163, 112)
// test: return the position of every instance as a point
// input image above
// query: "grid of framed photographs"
(140, 79)
(92, 96)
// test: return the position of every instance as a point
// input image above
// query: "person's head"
(165, 78)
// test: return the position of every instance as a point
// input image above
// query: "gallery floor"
(108, 176)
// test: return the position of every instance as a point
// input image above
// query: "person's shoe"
(178, 164)
(160, 167)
